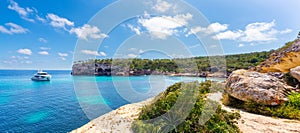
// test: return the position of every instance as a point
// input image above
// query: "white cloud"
(286, 31)
(63, 54)
(241, 45)
(25, 51)
(230, 35)
(43, 40)
(132, 55)
(12, 28)
(95, 53)
(161, 6)
(45, 48)
(88, 31)
(164, 26)
(43, 53)
(261, 32)
(137, 30)
(40, 19)
(59, 22)
(23, 12)
(102, 53)
(210, 29)
(216, 27)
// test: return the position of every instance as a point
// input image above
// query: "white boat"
(41, 76)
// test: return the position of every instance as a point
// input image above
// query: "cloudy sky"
(43, 33)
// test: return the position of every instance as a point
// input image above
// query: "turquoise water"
(68, 102)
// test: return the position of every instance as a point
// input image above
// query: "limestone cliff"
(283, 59)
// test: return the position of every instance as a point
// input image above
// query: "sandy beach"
(120, 120)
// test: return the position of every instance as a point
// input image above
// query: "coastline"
(118, 120)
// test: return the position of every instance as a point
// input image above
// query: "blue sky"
(42, 34)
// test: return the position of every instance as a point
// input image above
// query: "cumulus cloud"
(23, 12)
(162, 6)
(59, 22)
(229, 35)
(43, 40)
(260, 32)
(254, 32)
(43, 53)
(25, 51)
(210, 29)
(11, 28)
(137, 30)
(164, 26)
(88, 31)
(95, 53)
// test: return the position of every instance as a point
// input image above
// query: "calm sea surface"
(68, 102)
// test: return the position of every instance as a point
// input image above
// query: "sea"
(68, 102)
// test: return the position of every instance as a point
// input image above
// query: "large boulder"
(295, 72)
(257, 87)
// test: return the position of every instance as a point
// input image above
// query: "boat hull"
(40, 79)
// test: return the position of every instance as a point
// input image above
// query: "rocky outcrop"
(295, 72)
(283, 59)
(258, 87)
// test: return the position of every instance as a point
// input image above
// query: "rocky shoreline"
(118, 120)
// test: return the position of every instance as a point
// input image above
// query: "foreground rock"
(117, 121)
(258, 87)
(295, 72)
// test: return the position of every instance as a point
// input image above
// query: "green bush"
(290, 109)
(220, 121)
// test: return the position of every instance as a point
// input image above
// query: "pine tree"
(298, 35)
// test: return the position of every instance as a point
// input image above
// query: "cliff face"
(283, 59)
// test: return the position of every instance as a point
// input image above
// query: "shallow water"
(68, 102)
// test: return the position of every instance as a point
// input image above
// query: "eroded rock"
(257, 87)
(295, 72)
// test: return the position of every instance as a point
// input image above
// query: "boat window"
(42, 73)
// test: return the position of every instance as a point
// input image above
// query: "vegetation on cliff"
(185, 65)
(220, 121)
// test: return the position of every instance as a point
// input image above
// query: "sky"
(47, 34)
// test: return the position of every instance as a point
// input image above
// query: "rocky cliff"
(283, 59)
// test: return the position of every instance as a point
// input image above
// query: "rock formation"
(295, 72)
(257, 87)
(283, 59)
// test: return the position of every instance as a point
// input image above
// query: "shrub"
(220, 121)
